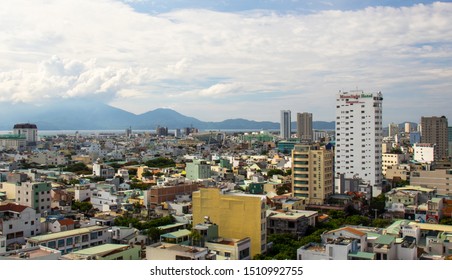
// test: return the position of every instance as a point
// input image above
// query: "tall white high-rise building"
(359, 135)
(286, 124)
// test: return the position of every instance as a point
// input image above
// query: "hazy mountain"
(88, 115)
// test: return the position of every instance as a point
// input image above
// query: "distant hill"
(88, 115)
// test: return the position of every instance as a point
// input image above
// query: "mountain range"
(88, 115)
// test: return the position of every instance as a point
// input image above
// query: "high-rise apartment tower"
(286, 124)
(312, 173)
(359, 135)
(304, 126)
(434, 131)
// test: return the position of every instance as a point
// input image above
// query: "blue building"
(415, 137)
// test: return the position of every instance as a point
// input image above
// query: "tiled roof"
(13, 207)
(351, 230)
(66, 222)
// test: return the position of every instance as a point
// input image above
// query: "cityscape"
(226, 131)
(358, 192)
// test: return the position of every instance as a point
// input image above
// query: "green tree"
(82, 206)
(272, 172)
(154, 234)
(283, 189)
(378, 203)
(78, 168)
(381, 223)
(446, 221)
(161, 162)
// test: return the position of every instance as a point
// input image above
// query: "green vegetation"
(283, 189)
(272, 172)
(160, 162)
(284, 246)
(78, 168)
(139, 185)
(378, 203)
(82, 206)
(115, 165)
(143, 225)
(446, 221)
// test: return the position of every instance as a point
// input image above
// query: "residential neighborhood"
(235, 195)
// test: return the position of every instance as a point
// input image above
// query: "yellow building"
(237, 215)
(312, 173)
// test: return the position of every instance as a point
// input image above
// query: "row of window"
(60, 243)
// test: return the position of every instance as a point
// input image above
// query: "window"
(52, 244)
(60, 243)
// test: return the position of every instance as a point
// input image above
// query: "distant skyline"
(216, 60)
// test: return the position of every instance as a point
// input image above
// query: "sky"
(217, 60)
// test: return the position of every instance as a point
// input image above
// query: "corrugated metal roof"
(64, 234)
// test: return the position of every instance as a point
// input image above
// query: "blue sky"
(215, 60)
(284, 6)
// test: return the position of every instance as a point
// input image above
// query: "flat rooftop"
(32, 253)
(64, 234)
(178, 248)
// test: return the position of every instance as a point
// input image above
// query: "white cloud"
(105, 49)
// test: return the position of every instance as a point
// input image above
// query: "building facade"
(434, 131)
(393, 129)
(424, 152)
(237, 215)
(18, 222)
(72, 240)
(440, 179)
(286, 124)
(29, 130)
(359, 136)
(312, 173)
(35, 195)
(304, 126)
(198, 169)
(389, 159)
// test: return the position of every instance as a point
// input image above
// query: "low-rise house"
(360, 243)
(230, 248)
(126, 235)
(61, 198)
(181, 237)
(71, 240)
(107, 252)
(35, 195)
(61, 225)
(35, 253)
(102, 170)
(18, 222)
(291, 222)
(342, 248)
(168, 251)
(347, 232)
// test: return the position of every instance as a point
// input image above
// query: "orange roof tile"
(66, 222)
(351, 230)
(13, 207)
